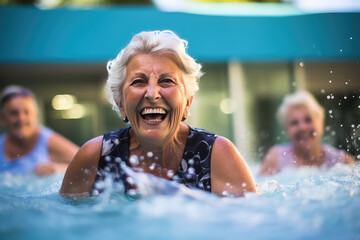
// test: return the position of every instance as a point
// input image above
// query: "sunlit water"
(295, 204)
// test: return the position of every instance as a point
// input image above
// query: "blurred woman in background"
(26, 147)
(302, 118)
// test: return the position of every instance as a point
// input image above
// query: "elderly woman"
(302, 118)
(26, 147)
(151, 84)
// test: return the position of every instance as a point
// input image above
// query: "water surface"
(295, 204)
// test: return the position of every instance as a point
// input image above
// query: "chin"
(154, 135)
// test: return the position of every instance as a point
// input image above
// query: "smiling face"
(303, 128)
(19, 116)
(154, 98)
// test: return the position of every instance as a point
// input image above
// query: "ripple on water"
(301, 203)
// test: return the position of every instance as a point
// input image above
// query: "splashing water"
(295, 204)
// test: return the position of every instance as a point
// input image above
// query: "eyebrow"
(163, 75)
(166, 75)
(142, 75)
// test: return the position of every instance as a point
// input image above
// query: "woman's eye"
(137, 82)
(293, 123)
(166, 82)
(308, 120)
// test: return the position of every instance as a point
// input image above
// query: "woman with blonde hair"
(302, 119)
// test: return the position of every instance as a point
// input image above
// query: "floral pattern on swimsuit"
(194, 169)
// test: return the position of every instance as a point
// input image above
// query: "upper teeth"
(153, 111)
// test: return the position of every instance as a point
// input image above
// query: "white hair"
(157, 43)
(298, 99)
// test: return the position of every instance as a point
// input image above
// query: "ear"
(187, 107)
(121, 108)
(188, 103)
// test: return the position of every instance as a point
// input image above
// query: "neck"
(159, 156)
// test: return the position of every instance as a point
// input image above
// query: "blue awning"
(32, 35)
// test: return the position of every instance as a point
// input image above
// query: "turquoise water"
(295, 204)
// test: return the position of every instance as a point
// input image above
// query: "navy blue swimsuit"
(194, 169)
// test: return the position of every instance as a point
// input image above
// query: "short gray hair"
(157, 43)
(297, 99)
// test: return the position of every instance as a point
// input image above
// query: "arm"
(270, 164)
(229, 171)
(348, 159)
(80, 175)
(61, 152)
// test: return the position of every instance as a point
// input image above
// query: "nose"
(152, 92)
(21, 116)
(303, 125)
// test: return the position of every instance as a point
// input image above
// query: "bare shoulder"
(229, 171)
(348, 159)
(81, 172)
(270, 163)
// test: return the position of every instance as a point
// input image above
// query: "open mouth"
(305, 135)
(153, 115)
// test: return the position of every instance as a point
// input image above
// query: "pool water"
(295, 204)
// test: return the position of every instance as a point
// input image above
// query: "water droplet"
(330, 111)
(346, 83)
(227, 184)
(95, 192)
(322, 91)
(341, 50)
(150, 154)
(328, 96)
(170, 173)
(152, 166)
(142, 158)
(350, 38)
(284, 153)
(107, 158)
(86, 171)
(352, 125)
(132, 192)
(130, 180)
(330, 71)
(116, 141)
(332, 97)
(244, 184)
(134, 160)
(191, 161)
(301, 64)
(345, 97)
(330, 81)
(107, 169)
(341, 125)
(225, 193)
(191, 170)
(314, 134)
(358, 156)
(118, 159)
